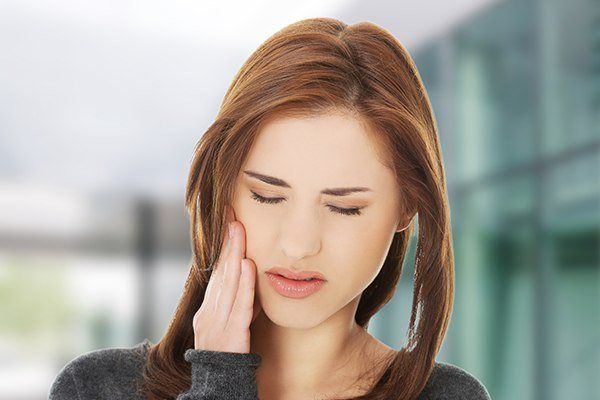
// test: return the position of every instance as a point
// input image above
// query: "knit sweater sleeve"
(64, 387)
(221, 375)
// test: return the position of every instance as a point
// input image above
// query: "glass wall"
(516, 91)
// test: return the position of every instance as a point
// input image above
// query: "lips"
(296, 275)
(294, 289)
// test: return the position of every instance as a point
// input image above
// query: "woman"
(323, 152)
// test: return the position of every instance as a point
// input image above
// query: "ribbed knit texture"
(216, 374)
(111, 373)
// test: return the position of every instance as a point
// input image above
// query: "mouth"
(307, 276)
(294, 288)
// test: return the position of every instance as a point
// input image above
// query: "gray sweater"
(111, 374)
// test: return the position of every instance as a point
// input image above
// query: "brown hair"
(309, 68)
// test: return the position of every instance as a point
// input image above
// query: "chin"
(283, 317)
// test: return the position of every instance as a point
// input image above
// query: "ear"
(405, 221)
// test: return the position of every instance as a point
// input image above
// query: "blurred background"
(102, 103)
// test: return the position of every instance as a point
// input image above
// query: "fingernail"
(231, 227)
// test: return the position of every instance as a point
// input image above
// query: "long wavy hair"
(305, 69)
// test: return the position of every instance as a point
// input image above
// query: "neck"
(305, 360)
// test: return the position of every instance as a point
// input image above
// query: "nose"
(300, 235)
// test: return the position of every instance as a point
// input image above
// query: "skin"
(312, 346)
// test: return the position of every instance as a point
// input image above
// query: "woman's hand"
(222, 323)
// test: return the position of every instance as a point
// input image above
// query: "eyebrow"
(271, 180)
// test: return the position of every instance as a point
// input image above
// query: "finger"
(230, 281)
(216, 277)
(212, 288)
(242, 312)
(225, 241)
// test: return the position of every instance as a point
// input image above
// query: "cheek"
(359, 254)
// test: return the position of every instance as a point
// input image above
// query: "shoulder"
(108, 361)
(111, 371)
(450, 382)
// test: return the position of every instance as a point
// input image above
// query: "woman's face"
(304, 229)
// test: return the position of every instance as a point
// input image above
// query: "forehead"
(318, 151)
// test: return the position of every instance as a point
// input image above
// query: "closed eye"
(275, 200)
